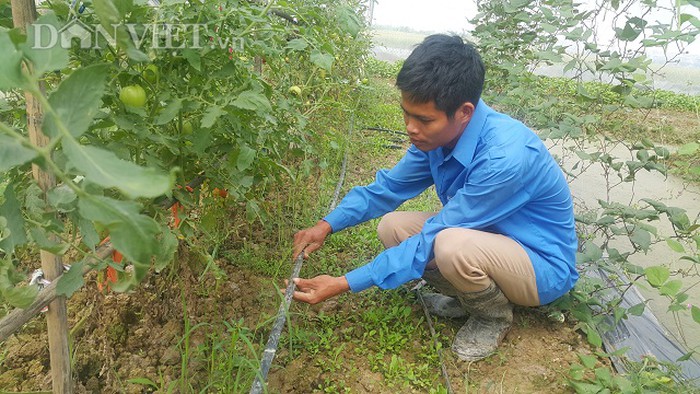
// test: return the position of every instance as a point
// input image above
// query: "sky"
(451, 16)
(439, 16)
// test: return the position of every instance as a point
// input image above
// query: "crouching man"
(505, 234)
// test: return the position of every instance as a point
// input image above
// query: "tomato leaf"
(12, 153)
(44, 242)
(193, 58)
(18, 296)
(10, 67)
(10, 210)
(71, 280)
(43, 47)
(132, 233)
(246, 155)
(104, 168)
(297, 44)
(77, 101)
(210, 117)
(88, 233)
(253, 101)
(322, 60)
(169, 112)
(166, 251)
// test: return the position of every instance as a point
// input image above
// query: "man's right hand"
(311, 238)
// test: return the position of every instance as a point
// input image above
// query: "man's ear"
(464, 113)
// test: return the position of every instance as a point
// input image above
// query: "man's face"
(429, 128)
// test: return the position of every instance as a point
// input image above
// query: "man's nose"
(411, 127)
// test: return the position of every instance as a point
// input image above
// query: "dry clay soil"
(122, 336)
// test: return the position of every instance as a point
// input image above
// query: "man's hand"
(312, 291)
(311, 238)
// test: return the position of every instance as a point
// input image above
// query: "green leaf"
(44, 242)
(585, 388)
(193, 58)
(210, 117)
(636, 310)
(656, 275)
(675, 245)
(20, 296)
(108, 13)
(71, 280)
(689, 149)
(104, 168)
(246, 156)
(61, 197)
(322, 60)
(641, 238)
(633, 28)
(43, 45)
(686, 356)
(131, 233)
(77, 100)
(253, 101)
(169, 112)
(10, 64)
(166, 251)
(11, 211)
(297, 44)
(593, 337)
(588, 360)
(88, 233)
(349, 21)
(671, 287)
(12, 153)
(695, 312)
(603, 375)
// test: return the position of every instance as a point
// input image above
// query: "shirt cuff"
(359, 279)
(336, 219)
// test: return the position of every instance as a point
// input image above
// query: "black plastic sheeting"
(643, 335)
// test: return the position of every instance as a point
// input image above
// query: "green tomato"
(295, 90)
(133, 96)
(187, 127)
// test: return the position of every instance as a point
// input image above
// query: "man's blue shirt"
(498, 178)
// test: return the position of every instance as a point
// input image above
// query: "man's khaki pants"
(469, 259)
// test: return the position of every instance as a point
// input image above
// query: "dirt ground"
(117, 337)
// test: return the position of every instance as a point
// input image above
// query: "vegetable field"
(156, 159)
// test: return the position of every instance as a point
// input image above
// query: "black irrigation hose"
(274, 339)
(382, 129)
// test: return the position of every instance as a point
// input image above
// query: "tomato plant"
(217, 84)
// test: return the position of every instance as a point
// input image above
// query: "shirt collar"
(466, 145)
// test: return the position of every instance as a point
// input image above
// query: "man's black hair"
(443, 69)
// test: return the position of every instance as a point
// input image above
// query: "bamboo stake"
(18, 317)
(24, 14)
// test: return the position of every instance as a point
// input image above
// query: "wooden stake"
(24, 14)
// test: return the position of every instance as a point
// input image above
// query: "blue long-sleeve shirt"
(498, 178)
